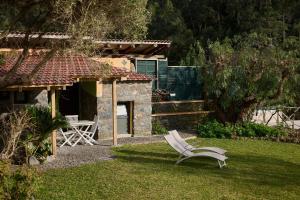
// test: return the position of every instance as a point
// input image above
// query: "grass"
(256, 170)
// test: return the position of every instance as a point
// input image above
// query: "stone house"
(74, 83)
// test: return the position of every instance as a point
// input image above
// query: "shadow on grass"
(257, 169)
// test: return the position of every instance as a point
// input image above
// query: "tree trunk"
(236, 112)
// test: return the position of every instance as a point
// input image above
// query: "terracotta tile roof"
(65, 69)
(131, 76)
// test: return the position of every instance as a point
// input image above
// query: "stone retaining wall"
(180, 122)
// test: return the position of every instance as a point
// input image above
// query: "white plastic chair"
(67, 136)
(71, 118)
(91, 133)
(186, 145)
(186, 154)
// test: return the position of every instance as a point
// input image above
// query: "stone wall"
(38, 97)
(138, 92)
(181, 122)
(35, 97)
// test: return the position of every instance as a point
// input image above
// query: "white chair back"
(180, 140)
(95, 125)
(178, 147)
(72, 118)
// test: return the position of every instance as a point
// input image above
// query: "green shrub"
(37, 141)
(250, 129)
(214, 129)
(245, 130)
(44, 124)
(18, 183)
(158, 128)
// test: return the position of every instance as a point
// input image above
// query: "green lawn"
(256, 170)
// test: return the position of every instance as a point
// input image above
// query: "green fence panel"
(162, 74)
(184, 82)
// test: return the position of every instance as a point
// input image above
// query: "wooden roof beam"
(157, 49)
(130, 48)
(149, 49)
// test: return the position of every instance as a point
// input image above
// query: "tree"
(188, 21)
(195, 56)
(242, 73)
(84, 21)
(167, 23)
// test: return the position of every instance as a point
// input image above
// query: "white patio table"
(81, 128)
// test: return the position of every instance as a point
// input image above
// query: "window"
(158, 69)
(148, 67)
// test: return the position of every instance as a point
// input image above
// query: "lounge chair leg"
(182, 159)
(221, 164)
(179, 157)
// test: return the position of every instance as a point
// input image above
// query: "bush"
(250, 129)
(37, 139)
(26, 133)
(214, 129)
(12, 126)
(158, 128)
(19, 184)
(44, 124)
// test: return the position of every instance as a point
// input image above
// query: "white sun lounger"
(186, 154)
(186, 145)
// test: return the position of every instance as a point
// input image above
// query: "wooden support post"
(114, 111)
(53, 114)
(99, 89)
(277, 117)
(131, 118)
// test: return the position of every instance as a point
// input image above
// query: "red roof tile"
(64, 69)
(131, 76)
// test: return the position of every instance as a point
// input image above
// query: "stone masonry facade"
(139, 93)
(34, 97)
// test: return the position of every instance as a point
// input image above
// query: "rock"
(3, 116)
(33, 161)
(50, 158)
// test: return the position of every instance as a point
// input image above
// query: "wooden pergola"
(107, 47)
(53, 88)
(114, 112)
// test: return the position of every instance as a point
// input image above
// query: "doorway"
(69, 100)
(125, 118)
